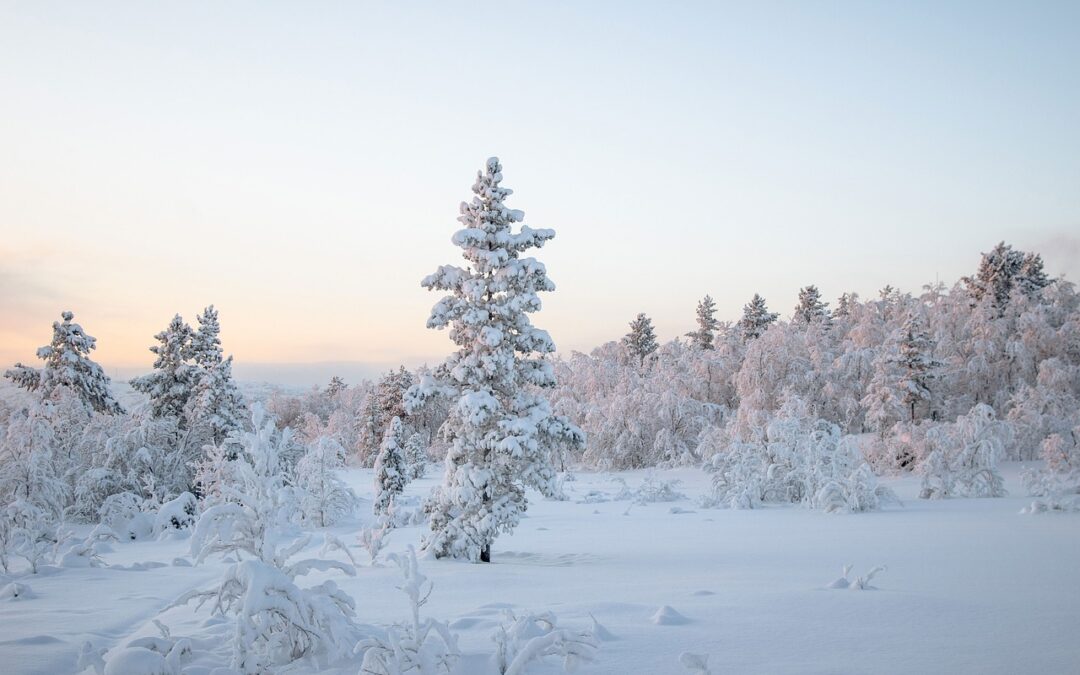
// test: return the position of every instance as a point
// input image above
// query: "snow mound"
(668, 616)
(600, 632)
(137, 661)
(16, 591)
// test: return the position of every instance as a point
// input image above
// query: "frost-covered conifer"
(391, 471)
(216, 405)
(68, 365)
(501, 429)
(917, 364)
(1003, 269)
(383, 404)
(703, 337)
(170, 384)
(756, 318)
(810, 308)
(336, 386)
(641, 340)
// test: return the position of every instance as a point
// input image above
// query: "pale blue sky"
(300, 164)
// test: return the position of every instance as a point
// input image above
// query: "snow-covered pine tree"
(391, 473)
(917, 364)
(216, 403)
(810, 308)
(845, 305)
(641, 340)
(383, 404)
(205, 343)
(702, 338)
(756, 318)
(501, 429)
(336, 386)
(68, 365)
(170, 384)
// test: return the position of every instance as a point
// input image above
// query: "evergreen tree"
(205, 347)
(810, 308)
(170, 384)
(336, 386)
(215, 402)
(756, 318)
(1003, 269)
(68, 365)
(501, 429)
(391, 472)
(703, 337)
(641, 340)
(845, 305)
(380, 406)
(917, 364)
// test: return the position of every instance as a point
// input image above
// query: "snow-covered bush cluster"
(796, 459)
(1056, 486)
(965, 455)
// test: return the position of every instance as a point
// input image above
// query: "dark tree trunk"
(485, 554)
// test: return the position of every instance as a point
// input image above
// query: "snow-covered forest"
(273, 534)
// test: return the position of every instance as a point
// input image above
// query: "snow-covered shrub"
(521, 640)
(277, 622)
(965, 463)
(1056, 486)
(33, 536)
(180, 513)
(799, 460)
(374, 540)
(418, 647)
(324, 497)
(651, 490)
(212, 471)
(126, 514)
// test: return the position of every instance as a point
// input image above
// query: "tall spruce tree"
(641, 340)
(756, 318)
(68, 365)
(703, 337)
(501, 429)
(215, 402)
(170, 384)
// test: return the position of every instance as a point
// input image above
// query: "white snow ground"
(971, 587)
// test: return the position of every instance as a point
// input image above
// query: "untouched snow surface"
(970, 586)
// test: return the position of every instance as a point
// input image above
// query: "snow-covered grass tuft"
(696, 664)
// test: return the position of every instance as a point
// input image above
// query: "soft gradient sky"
(300, 164)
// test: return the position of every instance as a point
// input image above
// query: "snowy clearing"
(975, 586)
